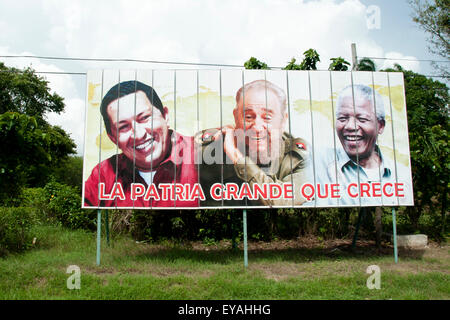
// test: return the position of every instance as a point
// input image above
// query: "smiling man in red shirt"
(153, 156)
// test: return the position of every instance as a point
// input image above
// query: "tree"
(338, 64)
(29, 152)
(292, 65)
(311, 57)
(428, 125)
(366, 64)
(70, 171)
(31, 147)
(310, 60)
(24, 92)
(433, 17)
(254, 63)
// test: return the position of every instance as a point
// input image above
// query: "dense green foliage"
(211, 226)
(309, 62)
(63, 203)
(254, 63)
(35, 153)
(338, 64)
(292, 65)
(366, 64)
(15, 229)
(31, 146)
(428, 125)
(55, 204)
(24, 92)
(30, 152)
(69, 171)
(58, 204)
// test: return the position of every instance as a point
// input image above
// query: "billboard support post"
(394, 230)
(99, 231)
(244, 218)
(107, 227)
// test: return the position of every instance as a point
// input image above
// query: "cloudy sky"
(199, 31)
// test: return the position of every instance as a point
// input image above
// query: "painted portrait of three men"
(217, 139)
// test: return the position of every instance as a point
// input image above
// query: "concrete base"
(412, 241)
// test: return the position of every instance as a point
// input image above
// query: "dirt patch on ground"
(282, 271)
(299, 243)
(411, 268)
(40, 282)
(164, 271)
(433, 258)
(432, 250)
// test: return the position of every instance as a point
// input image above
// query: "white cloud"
(59, 83)
(72, 119)
(396, 58)
(209, 31)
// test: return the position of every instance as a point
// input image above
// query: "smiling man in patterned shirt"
(360, 119)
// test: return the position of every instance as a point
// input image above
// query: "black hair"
(125, 88)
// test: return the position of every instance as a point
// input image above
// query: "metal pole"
(354, 57)
(107, 227)
(394, 227)
(245, 238)
(99, 231)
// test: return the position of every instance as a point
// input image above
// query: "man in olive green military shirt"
(256, 150)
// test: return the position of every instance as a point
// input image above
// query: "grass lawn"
(296, 269)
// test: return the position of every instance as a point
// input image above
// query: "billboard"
(192, 139)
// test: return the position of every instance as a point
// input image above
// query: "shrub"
(15, 229)
(64, 204)
(34, 198)
(180, 224)
(141, 225)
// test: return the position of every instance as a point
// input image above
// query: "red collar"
(177, 142)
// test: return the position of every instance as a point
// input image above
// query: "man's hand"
(229, 143)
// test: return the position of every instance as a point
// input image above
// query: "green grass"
(131, 270)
